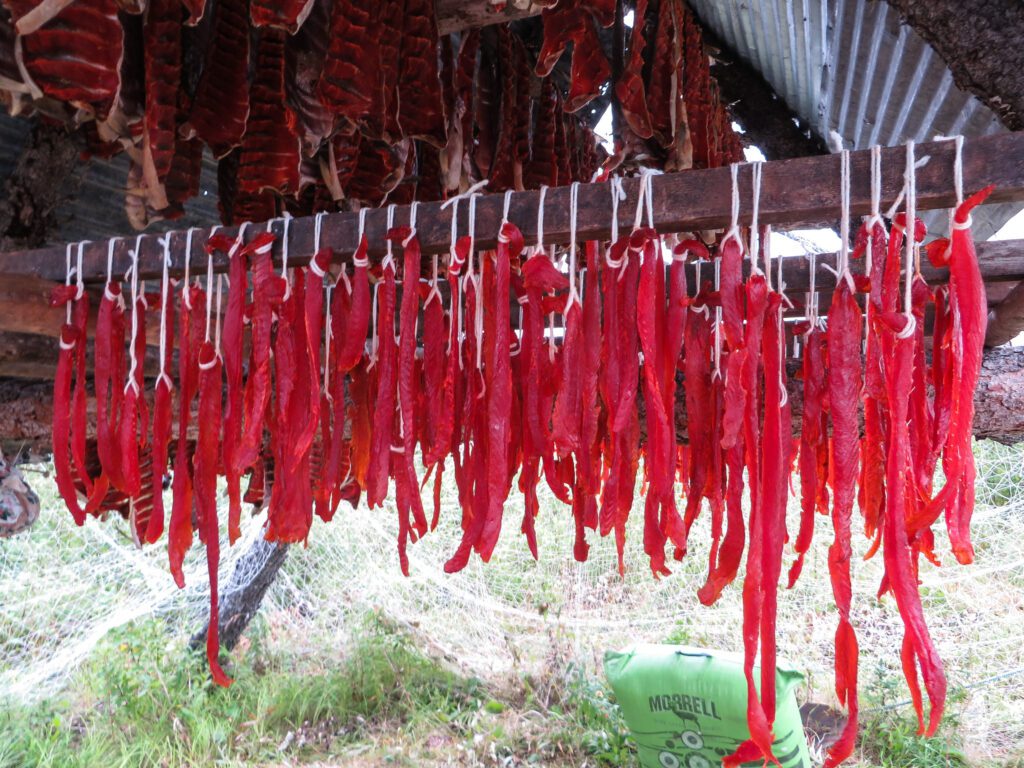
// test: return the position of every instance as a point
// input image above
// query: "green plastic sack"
(687, 707)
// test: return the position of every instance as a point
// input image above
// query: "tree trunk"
(40, 184)
(980, 41)
(241, 597)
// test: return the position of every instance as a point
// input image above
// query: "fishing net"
(65, 588)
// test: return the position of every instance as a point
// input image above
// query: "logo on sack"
(680, 703)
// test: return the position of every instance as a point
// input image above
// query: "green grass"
(144, 700)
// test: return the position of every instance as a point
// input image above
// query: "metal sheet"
(852, 67)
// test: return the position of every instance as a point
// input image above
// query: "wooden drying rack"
(800, 191)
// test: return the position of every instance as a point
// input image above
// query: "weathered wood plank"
(1006, 319)
(456, 15)
(799, 191)
(26, 408)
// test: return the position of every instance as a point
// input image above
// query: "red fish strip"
(205, 462)
(191, 318)
(844, 382)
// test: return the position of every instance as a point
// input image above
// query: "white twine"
(389, 257)
(618, 193)
(434, 293)
(373, 328)
(876, 202)
(454, 199)
(812, 295)
(505, 206)
(734, 227)
(133, 367)
(364, 261)
(755, 234)
(958, 188)
(314, 267)
(186, 299)
(470, 269)
(455, 330)
(648, 181)
(239, 240)
(574, 192)
(216, 335)
(540, 216)
(478, 308)
(910, 182)
(284, 258)
(412, 223)
(454, 202)
(921, 163)
(67, 280)
(958, 169)
(209, 287)
(778, 269)
(317, 226)
(843, 267)
(165, 282)
(784, 397)
(110, 269)
(79, 282)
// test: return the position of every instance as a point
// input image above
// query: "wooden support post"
(799, 191)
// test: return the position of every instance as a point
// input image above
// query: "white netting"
(65, 588)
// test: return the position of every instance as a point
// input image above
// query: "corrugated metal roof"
(852, 67)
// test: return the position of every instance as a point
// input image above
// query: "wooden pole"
(795, 192)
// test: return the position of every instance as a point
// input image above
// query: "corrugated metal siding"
(852, 67)
(96, 209)
(12, 137)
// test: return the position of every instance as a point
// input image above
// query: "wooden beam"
(26, 408)
(25, 305)
(456, 15)
(794, 192)
(34, 356)
(1006, 319)
(1000, 261)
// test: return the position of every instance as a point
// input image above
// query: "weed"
(888, 736)
(146, 701)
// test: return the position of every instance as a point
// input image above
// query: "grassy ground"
(385, 703)
(136, 704)
(349, 664)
